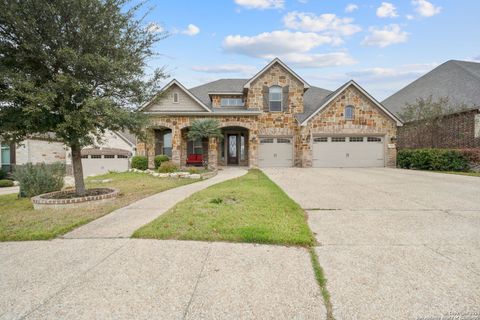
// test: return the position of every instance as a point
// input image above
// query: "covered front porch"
(234, 149)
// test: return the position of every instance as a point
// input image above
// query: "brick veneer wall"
(459, 130)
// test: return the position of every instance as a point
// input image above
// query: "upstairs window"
(275, 99)
(175, 97)
(231, 102)
(349, 112)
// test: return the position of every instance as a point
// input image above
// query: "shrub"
(168, 167)
(35, 179)
(432, 159)
(472, 155)
(140, 162)
(3, 174)
(159, 160)
(193, 170)
(6, 183)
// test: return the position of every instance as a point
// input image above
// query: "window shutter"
(266, 105)
(285, 106)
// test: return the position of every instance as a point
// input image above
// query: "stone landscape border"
(44, 201)
(180, 174)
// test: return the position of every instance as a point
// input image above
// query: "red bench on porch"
(195, 159)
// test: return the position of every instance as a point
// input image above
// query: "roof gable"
(332, 96)
(172, 84)
(268, 66)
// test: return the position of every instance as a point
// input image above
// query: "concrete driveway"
(394, 244)
(151, 279)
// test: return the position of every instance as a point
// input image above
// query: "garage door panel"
(275, 152)
(344, 152)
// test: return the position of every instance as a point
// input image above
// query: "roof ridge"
(456, 62)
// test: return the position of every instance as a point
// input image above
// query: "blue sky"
(383, 45)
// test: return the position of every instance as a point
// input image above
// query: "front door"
(232, 145)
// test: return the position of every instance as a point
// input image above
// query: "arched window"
(275, 98)
(349, 111)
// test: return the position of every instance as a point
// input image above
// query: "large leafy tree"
(74, 68)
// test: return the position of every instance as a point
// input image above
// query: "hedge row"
(432, 159)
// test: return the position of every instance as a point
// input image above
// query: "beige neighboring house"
(274, 119)
(113, 153)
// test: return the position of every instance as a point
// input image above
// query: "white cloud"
(387, 10)
(386, 36)
(276, 43)
(192, 30)
(425, 8)
(379, 74)
(261, 4)
(351, 7)
(154, 27)
(327, 22)
(226, 68)
(410, 17)
(317, 60)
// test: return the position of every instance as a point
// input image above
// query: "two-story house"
(273, 119)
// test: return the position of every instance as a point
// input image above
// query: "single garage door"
(348, 152)
(100, 161)
(275, 152)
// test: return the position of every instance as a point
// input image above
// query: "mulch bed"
(70, 194)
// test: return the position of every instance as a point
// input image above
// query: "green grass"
(250, 209)
(18, 220)
(322, 282)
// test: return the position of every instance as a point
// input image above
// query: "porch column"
(176, 146)
(149, 150)
(252, 149)
(212, 153)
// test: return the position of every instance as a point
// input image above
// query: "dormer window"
(231, 102)
(349, 111)
(175, 97)
(275, 99)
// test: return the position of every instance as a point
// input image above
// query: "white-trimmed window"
(284, 140)
(338, 139)
(349, 112)
(231, 102)
(266, 140)
(175, 97)
(275, 98)
(374, 139)
(197, 146)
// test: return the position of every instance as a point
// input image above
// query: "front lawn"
(18, 220)
(250, 208)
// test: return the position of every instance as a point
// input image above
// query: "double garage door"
(348, 152)
(328, 152)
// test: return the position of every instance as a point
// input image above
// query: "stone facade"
(368, 119)
(456, 131)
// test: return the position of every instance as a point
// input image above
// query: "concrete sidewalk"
(9, 190)
(123, 222)
(152, 279)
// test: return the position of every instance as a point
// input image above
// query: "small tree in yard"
(205, 129)
(74, 68)
(426, 116)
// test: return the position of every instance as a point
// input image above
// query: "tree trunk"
(78, 170)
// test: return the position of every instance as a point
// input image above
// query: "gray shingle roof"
(221, 85)
(312, 98)
(457, 80)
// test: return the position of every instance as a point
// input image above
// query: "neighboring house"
(273, 119)
(111, 154)
(40, 148)
(460, 82)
